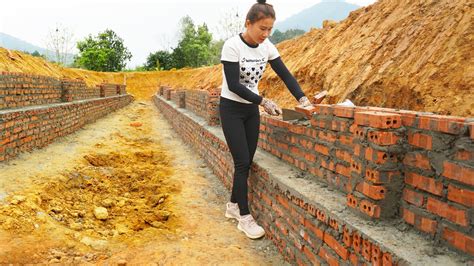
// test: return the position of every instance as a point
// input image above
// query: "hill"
(314, 16)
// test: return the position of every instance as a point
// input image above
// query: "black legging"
(240, 123)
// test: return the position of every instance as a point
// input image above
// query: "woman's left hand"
(304, 102)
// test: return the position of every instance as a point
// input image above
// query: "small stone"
(101, 213)
(121, 228)
(121, 203)
(97, 244)
(54, 261)
(17, 199)
(107, 203)
(122, 263)
(76, 226)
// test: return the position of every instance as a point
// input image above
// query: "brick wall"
(35, 122)
(107, 90)
(201, 102)
(76, 89)
(18, 90)
(305, 230)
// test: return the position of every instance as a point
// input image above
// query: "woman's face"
(259, 30)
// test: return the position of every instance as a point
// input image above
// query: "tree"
(105, 52)
(60, 42)
(194, 48)
(160, 60)
(279, 36)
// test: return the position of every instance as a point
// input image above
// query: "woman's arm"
(279, 67)
(231, 72)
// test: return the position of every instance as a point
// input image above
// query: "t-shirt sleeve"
(272, 51)
(229, 52)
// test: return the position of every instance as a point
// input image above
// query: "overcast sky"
(145, 25)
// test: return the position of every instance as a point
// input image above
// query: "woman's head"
(259, 21)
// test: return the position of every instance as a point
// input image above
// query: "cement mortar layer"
(55, 105)
(407, 244)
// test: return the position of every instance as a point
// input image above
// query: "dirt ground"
(122, 190)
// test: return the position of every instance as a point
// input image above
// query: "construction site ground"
(124, 189)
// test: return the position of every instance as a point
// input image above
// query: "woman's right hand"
(270, 107)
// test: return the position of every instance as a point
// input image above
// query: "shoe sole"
(248, 235)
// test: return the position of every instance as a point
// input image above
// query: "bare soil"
(163, 205)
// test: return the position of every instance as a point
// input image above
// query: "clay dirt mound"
(405, 54)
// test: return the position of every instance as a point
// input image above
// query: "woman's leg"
(233, 126)
(252, 130)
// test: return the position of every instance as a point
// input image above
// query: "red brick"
(321, 149)
(461, 195)
(310, 255)
(422, 223)
(378, 177)
(343, 155)
(330, 259)
(446, 211)
(327, 136)
(413, 197)
(307, 111)
(371, 209)
(336, 246)
(442, 123)
(318, 232)
(425, 183)
(356, 167)
(346, 140)
(343, 170)
(371, 191)
(459, 173)
(352, 201)
(420, 140)
(356, 242)
(417, 160)
(324, 109)
(387, 259)
(464, 155)
(459, 240)
(343, 111)
(347, 237)
(366, 249)
(383, 138)
(377, 119)
(376, 255)
(379, 157)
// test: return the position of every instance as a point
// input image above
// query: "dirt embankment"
(405, 54)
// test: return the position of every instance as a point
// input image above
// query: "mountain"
(314, 16)
(13, 43)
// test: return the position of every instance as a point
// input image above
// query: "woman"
(244, 58)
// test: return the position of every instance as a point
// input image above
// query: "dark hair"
(260, 10)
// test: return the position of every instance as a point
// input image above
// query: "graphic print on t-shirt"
(251, 71)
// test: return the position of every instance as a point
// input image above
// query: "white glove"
(270, 107)
(304, 102)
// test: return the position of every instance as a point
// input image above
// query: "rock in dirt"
(101, 213)
(97, 244)
(17, 199)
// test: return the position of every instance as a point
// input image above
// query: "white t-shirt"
(252, 62)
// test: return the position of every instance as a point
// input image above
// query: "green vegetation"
(195, 48)
(105, 52)
(279, 36)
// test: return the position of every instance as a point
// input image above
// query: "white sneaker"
(248, 225)
(232, 211)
